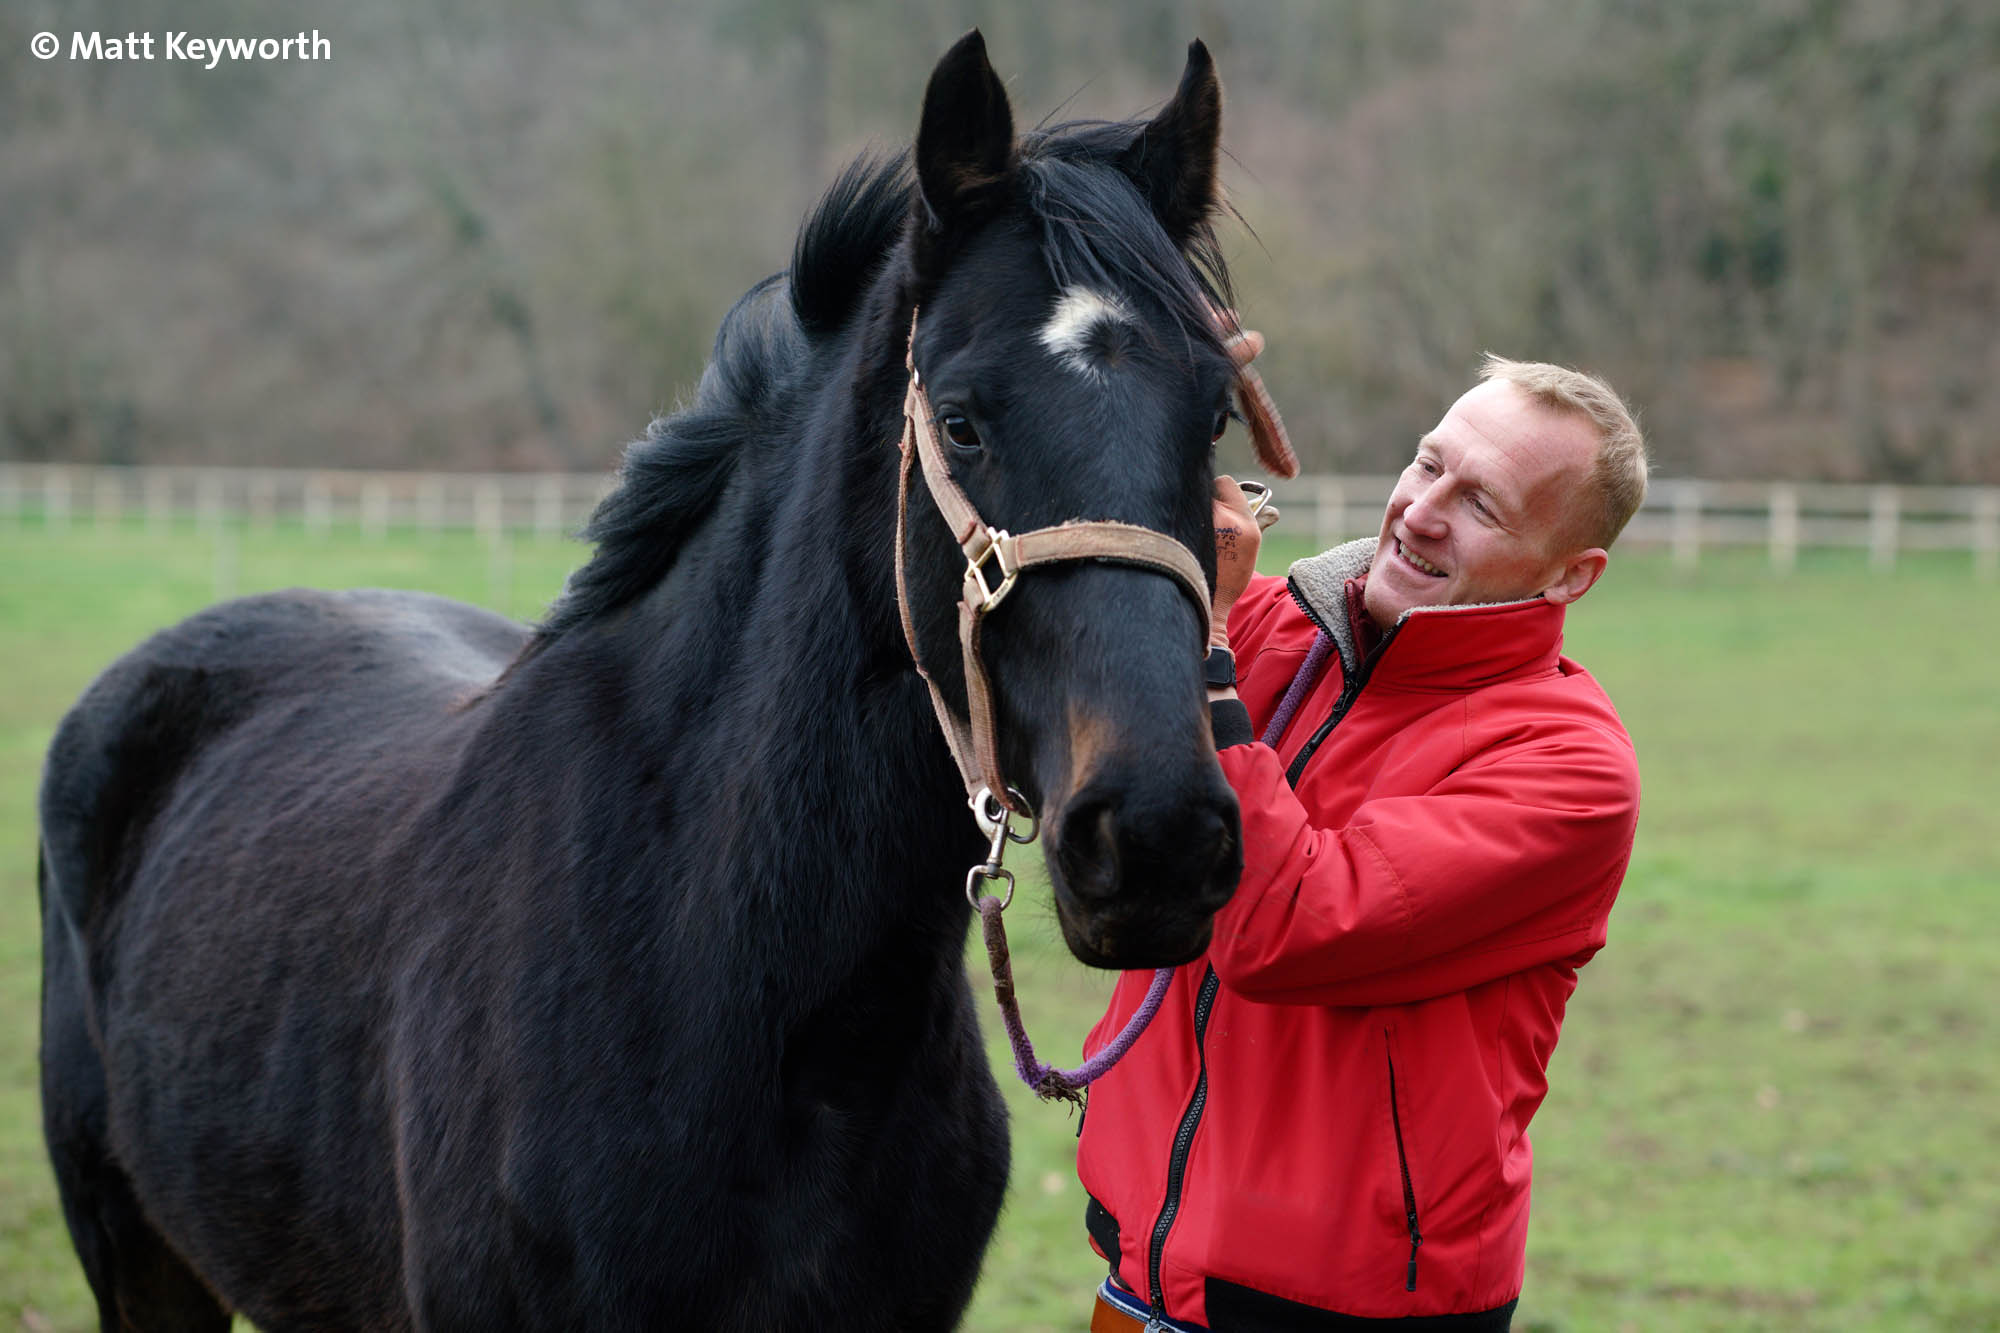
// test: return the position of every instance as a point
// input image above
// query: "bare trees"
(501, 234)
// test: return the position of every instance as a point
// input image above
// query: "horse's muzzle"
(1139, 870)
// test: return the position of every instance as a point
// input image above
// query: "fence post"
(319, 506)
(1687, 525)
(1329, 514)
(486, 509)
(374, 509)
(430, 504)
(55, 498)
(1784, 527)
(107, 487)
(1884, 515)
(159, 502)
(263, 500)
(208, 501)
(1986, 532)
(10, 492)
(548, 506)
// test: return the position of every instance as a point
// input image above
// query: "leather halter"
(994, 559)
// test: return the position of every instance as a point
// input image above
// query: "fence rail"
(547, 503)
(1684, 516)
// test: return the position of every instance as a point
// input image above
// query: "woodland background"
(500, 234)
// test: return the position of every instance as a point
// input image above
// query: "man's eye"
(960, 432)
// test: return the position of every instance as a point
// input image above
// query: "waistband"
(1119, 1311)
(1235, 1307)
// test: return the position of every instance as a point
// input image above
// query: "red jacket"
(1331, 1109)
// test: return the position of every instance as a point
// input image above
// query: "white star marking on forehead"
(1078, 311)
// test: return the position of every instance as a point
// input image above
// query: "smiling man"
(1326, 1126)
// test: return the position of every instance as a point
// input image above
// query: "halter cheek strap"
(994, 560)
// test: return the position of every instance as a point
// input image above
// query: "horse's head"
(1063, 286)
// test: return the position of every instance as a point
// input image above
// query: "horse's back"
(343, 669)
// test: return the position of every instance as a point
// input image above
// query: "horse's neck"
(802, 678)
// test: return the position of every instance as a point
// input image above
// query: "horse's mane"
(1095, 229)
(844, 240)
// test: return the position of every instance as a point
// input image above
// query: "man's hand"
(1237, 537)
(1243, 345)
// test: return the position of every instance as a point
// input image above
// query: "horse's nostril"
(1087, 849)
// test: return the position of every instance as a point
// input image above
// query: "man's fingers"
(1245, 347)
(1229, 496)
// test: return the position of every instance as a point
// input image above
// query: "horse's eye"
(960, 432)
(1221, 425)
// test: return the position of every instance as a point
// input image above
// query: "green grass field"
(1776, 1104)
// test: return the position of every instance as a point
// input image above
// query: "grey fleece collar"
(1320, 581)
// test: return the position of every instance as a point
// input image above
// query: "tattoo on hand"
(1225, 541)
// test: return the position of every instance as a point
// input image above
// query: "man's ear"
(965, 146)
(1173, 161)
(1579, 572)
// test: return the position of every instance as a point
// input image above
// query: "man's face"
(1480, 514)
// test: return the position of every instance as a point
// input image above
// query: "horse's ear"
(1174, 158)
(965, 145)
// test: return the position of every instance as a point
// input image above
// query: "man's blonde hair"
(1617, 483)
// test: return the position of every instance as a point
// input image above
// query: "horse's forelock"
(1098, 231)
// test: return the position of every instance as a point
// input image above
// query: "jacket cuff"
(1230, 721)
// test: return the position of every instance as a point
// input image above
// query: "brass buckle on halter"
(997, 546)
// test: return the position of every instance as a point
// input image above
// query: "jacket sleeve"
(1511, 860)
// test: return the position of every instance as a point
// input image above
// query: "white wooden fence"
(1684, 516)
(549, 504)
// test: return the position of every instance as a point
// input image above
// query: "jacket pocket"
(1406, 1183)
(1103, 1229)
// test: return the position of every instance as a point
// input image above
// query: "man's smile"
(1417, 562)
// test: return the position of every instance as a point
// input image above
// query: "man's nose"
(1424, 517)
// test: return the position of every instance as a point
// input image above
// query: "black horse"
(405, 969)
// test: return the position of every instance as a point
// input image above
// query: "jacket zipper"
(1183, 1142)
(1403, 1162)
(1350, 688)
(1348, 692)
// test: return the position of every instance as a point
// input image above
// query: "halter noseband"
(994, 559)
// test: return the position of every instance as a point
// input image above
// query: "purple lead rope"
(1067, 1085)
(1049, 1082)
(1295, 694)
